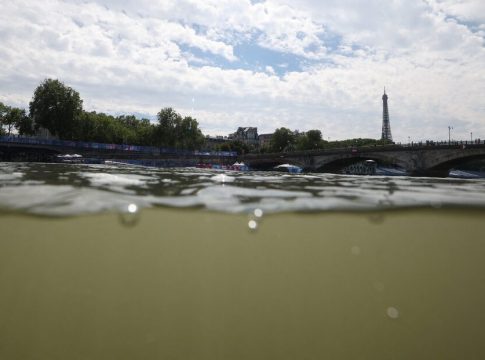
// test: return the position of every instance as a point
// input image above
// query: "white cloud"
(139, 56)
(465, 10)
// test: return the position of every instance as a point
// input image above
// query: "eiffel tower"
(386, 126)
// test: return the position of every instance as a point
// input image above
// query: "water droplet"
(130, 215)
(252, 224)
(379, 286)
(392, 312)
(355, 250)
(258, 213)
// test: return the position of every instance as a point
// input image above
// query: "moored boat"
(292, 169)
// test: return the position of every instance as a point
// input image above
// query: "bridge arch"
(334, 164)
(445, 165)
(428, 160)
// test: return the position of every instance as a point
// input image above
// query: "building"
(264, 140)
(386, 126)
(248, 135)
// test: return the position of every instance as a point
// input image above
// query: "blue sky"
(302, 64)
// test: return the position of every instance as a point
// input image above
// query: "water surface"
(59, 189)
(142, 263)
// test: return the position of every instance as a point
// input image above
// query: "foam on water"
(58, 189)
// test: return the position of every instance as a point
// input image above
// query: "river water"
(125, 262)
(63, 189)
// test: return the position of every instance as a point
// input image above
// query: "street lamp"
(471, 136)
(449, 134)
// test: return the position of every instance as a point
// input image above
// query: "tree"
(145, 132)
(314, 138)
(57, 108)
(283, 139)
(165, 132)
(12, 117)
(187, 134)
(174, 131)
(4, 110)
(310, 140)
(356, 142)
(139, 132)
(22, 122)
(235, 145)
(99, 127)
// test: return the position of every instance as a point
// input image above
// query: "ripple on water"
(57, 189)
(223, 178)
(108, 179)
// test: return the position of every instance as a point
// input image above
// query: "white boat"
(240, 166)
(70, 158)
(292, 169)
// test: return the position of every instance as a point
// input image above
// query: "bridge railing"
(373, 148)
(114, 147)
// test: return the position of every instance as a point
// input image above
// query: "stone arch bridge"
(429, 160)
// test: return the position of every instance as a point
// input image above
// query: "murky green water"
(190, 264)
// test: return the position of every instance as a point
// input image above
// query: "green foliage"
(171, 131)
(58, 108)
(24, 124)
(314, 137)
(4, 109)
(177, 132)
(356, 142)
(168, 118)
(235, 145)
(286, 140)
(283, 139)
(12, 117)
(310, 140)
(125, 129)
(188, 135)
